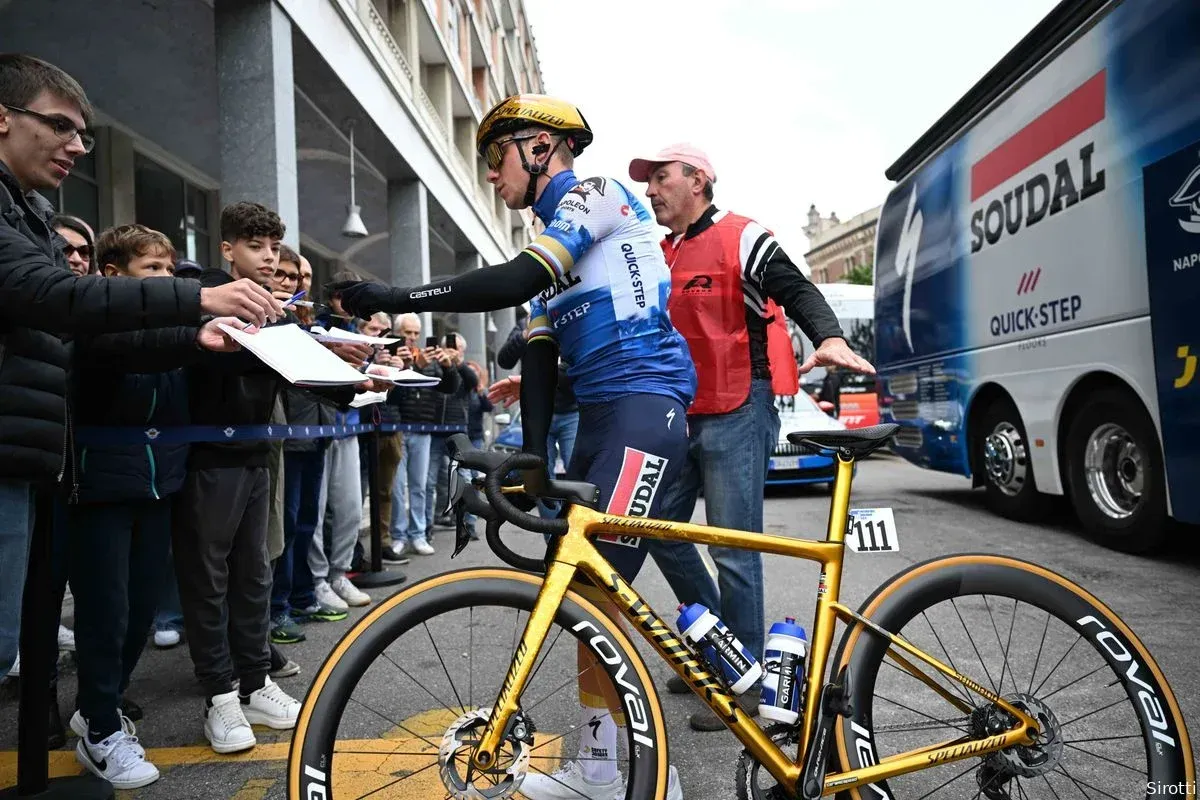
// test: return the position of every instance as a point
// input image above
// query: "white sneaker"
(569, 784)
(327, 596)
(66, 640)
(80, 725)
(271, 706)
(674, 790)
(422, 547)
(225, 725)
(119, 759)
(167, 637)
(346, 590)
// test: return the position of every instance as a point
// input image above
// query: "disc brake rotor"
(462, 779)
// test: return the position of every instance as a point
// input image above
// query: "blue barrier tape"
(98, 437)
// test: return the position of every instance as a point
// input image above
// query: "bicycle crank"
(466, 782)
(748, 768)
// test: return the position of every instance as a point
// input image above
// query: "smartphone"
(450, 342)
(393, 347)
(431, 341)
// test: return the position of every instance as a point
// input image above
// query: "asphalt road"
(935, 515)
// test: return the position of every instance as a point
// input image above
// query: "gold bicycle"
(999, 728)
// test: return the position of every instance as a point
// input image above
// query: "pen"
(295, 297)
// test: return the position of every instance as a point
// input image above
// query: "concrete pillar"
(473, 327)
(257, 107)
(439, 90)
(408, 237)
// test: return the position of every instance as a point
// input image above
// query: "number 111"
(870, 528)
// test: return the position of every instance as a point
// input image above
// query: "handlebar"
(497, 508)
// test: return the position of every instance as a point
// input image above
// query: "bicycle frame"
(574, 552)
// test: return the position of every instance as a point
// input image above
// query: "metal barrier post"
(378, 575)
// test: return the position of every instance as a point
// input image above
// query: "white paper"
(339, 335)
(402, 377)
(368, 399)
(296, 356)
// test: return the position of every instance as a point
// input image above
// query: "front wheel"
(397, 706)
(1110, 725)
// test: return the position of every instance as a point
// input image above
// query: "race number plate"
(872, 530)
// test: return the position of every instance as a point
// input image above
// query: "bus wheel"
(1115, 473)
(1003, 455)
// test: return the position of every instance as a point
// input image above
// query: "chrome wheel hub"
(1114, 467)
(1005, 458)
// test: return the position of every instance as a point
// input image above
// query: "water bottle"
(784, 682)
(717, 644)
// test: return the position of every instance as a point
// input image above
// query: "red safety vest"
(707, 307)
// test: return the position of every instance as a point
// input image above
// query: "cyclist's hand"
(244, 299)
(834, 352)
(364, 298)
(506, 390)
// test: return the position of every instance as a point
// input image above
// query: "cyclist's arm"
(539, 376)
(766, 267)
(488, 289)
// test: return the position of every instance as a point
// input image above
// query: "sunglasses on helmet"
(493, 153)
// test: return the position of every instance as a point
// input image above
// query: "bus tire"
(1115, 474)
(1002, 454)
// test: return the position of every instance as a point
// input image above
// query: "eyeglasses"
(494, 152)
(62, 127)
(84, 251)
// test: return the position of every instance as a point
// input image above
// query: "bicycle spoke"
(947, 783)
(1103, 738)
(949, 658)
(1038, 659)
(1059, 664)
(926, 680)
(424, 688)
(1051, 787)
(1105, 758)
(572, 729)
(1003, 650)
(1072, 683)
(556, 780)
(399, 725)
(1090, 713)
(1080, 784)
(442, 661)
(971, 639)
(545, 655)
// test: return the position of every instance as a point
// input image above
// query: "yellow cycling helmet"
(531, 110)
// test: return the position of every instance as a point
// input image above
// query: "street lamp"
(353, 227)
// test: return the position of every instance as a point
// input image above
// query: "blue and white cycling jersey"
(607, 308)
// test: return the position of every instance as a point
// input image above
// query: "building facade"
(836, 247)
(201, 103)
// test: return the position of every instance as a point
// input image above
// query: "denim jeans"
(728, 456)
(408, 490)
(292, 584)
(16, 530)
(563, 429)
(170, 613)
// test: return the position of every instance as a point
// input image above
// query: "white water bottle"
(784, 682)
(718, 644)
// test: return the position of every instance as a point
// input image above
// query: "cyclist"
(599, 287)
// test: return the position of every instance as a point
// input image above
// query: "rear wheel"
(1115, 473)
(1110, 725)
(397, 708)
(1003, 455)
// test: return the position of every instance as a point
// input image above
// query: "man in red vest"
(729, 280)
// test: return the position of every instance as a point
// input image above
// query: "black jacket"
(222, 396)
(41, 300)
(425, 405)
(510, 353)
(455, 407)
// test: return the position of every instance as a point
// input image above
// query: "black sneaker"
(284, 630)
(318, 613)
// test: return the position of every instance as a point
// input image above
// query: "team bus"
(1037, 289)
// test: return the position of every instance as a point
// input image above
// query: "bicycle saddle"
(858, 441)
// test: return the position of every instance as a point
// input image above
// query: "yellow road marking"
(360, 766)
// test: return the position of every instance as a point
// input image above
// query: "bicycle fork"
(554, 588)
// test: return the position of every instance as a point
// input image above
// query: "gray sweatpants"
(219, 538)
(340, 501)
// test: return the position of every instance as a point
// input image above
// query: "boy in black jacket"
(219, 532)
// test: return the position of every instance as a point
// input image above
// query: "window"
(452, 25)
(166, 202)
(79, 194)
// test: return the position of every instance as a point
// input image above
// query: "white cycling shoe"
(568, 783)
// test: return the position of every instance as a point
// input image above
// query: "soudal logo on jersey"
(634, 492)
(1028, 202)
(560, 285)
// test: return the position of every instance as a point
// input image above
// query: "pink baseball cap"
(640, 168)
